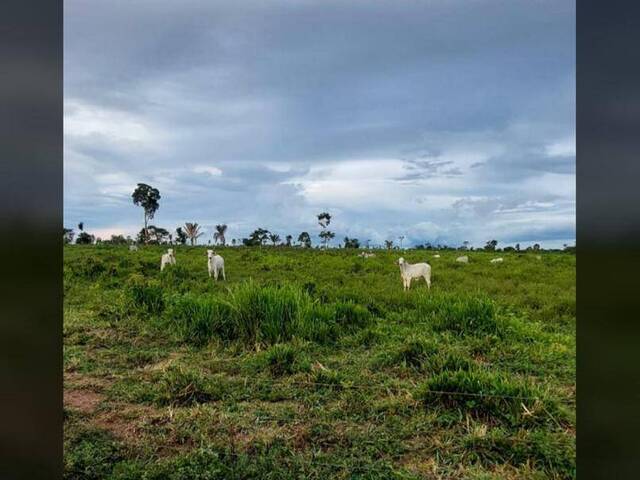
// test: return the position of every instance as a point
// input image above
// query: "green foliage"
(461, 314)
(146, 295)
(196, 319)
(183, 387)
(91, 455)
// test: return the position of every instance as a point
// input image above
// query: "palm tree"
(275, 238)
(288, 238)
(219, 234)
(326, 237)
(192, 230)
(388, 244)
(401, 238)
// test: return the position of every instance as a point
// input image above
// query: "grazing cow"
(133, 248)
(168, 258)
(416, 270)
(215, 264)
(463, 259)
(436, 256)
(366, 255)
(497, 260)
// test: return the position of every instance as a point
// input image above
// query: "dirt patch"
(84, 401)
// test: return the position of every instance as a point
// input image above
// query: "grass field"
(314, 364)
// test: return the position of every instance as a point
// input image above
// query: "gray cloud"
(264, 113)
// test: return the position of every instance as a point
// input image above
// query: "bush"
(351, 315)
(463, 315)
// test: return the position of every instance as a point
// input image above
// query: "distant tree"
(153, 235)
(351, 242)
(98, 240)
(388, 244)
(147, 197)
(257, 237)
(326, 236)
(491, 245)
(401, 238)
(67, 235)
(288, 239)
(81, 226)
(192, 231)
(305, 239)
(324, 219)
(84, 239)
(116, 240)
(233, 242)
(517, 247)
(465, 245)
(275, 238)
(536, 247)
(181, 237)
(218, 236)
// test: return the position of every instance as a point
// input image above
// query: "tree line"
(148, 198)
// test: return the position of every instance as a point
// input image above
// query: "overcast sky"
(440, 120)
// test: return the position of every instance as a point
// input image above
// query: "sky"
(442, 121)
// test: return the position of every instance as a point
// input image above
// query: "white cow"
(366, 255)
(417, 270)
(133, 248)
(436, 256)
(463, 259)
(497, 260)
(215, 264)
(168, 258)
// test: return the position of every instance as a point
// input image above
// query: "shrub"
(145, 295)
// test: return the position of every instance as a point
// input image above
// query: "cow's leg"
(428, 280)
(223, 275)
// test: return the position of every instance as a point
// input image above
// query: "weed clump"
(177, 386)
(463, 315)
(485, 394)
(146, 296)
(282, 359)
(196, 319)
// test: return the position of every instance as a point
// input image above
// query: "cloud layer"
(443, 121)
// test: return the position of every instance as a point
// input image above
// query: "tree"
(305, 239)
(388, 244)
(517, 247)
(275, 238)
(81, 226)
(117, 240)
(536, 247)
(181, 237)
(465, 245)
(67, 235)
(288, 238)
(147, 197)
(257, 237)
(153, 235)
(326, 237)
(351, 242)
(233, 242)
(324, 219)
(491, 245)
(84, 239)
(401, 238)
(192, 231)
(218, 236)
